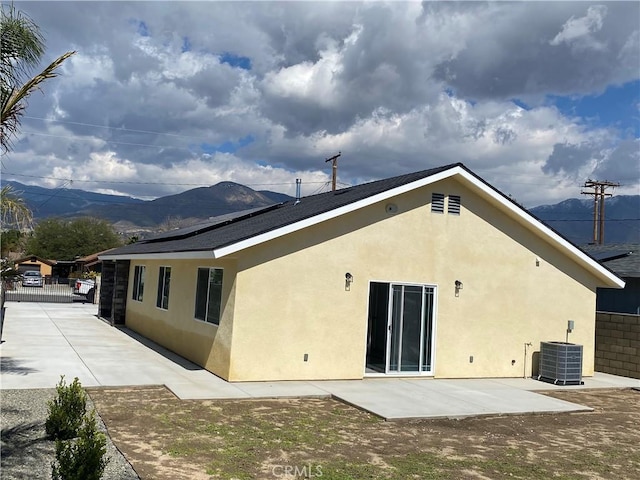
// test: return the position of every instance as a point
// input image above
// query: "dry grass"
(166, 438)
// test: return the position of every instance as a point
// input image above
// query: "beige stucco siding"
(176, 328)
(286, 314)
(292, 299)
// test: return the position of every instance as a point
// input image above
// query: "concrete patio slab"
(43, 341)
(399, 398)
(281, 389)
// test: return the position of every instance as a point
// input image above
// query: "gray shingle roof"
(242, 229)
(216, 234)
(621, 258)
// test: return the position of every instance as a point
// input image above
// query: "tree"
(15, 217)
(14, 212)
(11, 242)
(22, 46)
(69, 239)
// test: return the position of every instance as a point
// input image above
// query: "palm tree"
(21, 46)
(14, 212)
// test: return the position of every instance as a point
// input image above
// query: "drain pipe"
(524, 373)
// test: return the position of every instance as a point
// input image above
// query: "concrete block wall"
(618, 344)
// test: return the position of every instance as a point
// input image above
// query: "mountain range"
(573, 217)
(131, 215)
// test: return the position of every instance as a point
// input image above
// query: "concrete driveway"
(43, 341)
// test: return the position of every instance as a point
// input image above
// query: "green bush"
(82, 458)
(66, 411)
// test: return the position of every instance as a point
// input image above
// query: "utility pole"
(599, 195)
(334, 177)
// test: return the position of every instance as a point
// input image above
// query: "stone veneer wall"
(120, 292)
(107, 284)
(618, 344)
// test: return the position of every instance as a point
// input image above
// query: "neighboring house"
(90, 263)
(60, 269)
(33, 263)
(624, 260)
(618, 311)
(433, 273)
(54, 271)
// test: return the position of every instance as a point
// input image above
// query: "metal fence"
(58, 292)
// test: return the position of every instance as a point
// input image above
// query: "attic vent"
(437, 202)
(453, 208)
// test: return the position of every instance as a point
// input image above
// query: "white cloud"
(85, 69)
(578, 31)
(397, 87)
(315, 83)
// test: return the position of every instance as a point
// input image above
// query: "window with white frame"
(138, 282)
(164, 280)
(209, 295)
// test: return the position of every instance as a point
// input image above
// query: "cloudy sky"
(162, 97)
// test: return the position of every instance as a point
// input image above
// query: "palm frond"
(14, 212)
(21, 45)
(13, 100)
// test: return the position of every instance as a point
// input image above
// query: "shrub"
(66, 411)
(82, 458)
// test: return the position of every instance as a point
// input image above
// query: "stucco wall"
(176, 328)
(517, 289)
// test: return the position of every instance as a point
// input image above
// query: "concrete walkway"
(43, 341)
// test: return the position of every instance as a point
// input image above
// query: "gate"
(59, 290)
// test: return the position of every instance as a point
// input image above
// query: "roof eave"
(189, 255)
(226, 250)
(608, 278)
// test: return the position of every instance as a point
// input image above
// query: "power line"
(320, 188)
(119, 129)
(76, 137)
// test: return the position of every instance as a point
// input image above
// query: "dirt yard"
(167, 438)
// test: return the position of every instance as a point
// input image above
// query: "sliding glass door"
(407, 345)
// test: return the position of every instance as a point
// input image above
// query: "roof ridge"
(418, 174)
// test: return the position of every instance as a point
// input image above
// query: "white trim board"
(308, 222)
(469, 179)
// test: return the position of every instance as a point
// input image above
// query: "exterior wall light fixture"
(458, 285)
(348, 279)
